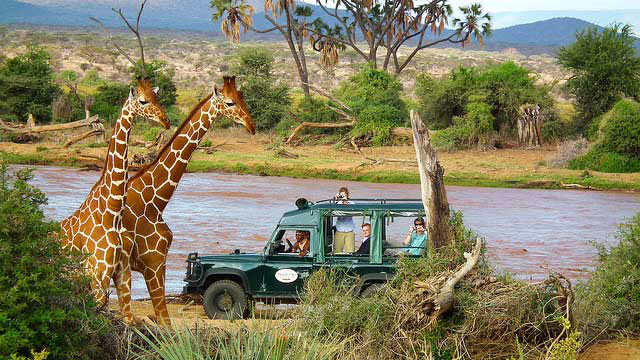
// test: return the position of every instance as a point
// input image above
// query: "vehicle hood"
(231, 258)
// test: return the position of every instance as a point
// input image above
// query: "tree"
(161, 75)
(109, 99)
(268, 100)
(27, 86)
(605, 68)
(364, 26)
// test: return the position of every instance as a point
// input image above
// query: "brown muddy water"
(216, 213)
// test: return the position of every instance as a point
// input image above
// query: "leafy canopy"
(605, 68)
(27, 86)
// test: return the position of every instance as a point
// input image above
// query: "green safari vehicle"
(230, 283)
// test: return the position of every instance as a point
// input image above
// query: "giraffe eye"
(143, 102)
(229, 103)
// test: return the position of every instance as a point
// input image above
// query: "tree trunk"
(530, 126)
(434, 195)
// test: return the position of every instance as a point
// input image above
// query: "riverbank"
(234, 151)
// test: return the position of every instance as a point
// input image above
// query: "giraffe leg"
(154, 278)
(105, 264)
(122, 280)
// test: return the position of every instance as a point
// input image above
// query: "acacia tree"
(366, 26)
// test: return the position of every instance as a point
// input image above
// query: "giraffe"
(151, 188)
(95, 227)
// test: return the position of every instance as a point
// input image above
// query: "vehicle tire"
(225, 299)
(370, 290)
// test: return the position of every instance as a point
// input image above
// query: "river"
(216, 213)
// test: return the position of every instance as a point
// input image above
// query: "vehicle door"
(285, 272)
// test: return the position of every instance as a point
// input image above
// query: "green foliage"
(109, 99)
(44, 302)
(611, 298)
(620, 129)
(27, 86)
(372, 90)
(605, 67)
(160, 74)
(505, 87)
(152, 133)
(474, 129)
(92, 78)
(568, 347)
(601, 160)
(268, 100)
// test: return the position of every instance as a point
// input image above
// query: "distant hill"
(195, 15)
(600, 17)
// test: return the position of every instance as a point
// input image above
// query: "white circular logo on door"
(286, 276)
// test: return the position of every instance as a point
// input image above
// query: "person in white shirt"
(345, 239)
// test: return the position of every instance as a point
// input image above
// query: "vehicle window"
(395, 231)
(344, 235)
(292, 242)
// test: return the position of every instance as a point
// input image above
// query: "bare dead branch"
(317, 125)
(136, 31)
(110, 38)
(81, 137)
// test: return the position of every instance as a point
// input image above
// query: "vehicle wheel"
(370, 290)
(225, 299)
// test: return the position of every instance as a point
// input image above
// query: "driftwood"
(92, 121)
(437, 301)
(434, 195)
(81, 137)
(380, 161)
(318, 126)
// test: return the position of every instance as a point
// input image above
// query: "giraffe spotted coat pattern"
(95, 227)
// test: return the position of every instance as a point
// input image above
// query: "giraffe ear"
(156, 90)
(216, 92)
(133, 93)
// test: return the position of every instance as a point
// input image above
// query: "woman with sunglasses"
(416, 238)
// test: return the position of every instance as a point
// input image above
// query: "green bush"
(505, 87)
(611, 298)
(45, 304)
(619, 130)
(108, 101)
(599, 159)
(27, 86)
(372, 90)
(267, 99)
(473, 130)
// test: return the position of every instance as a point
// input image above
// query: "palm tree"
(475, 24)
(237, 14)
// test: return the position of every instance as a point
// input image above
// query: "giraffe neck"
(172, 161)
(115, 172)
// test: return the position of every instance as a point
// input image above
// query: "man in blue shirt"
(416, 240)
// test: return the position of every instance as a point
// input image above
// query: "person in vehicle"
(345, 238)
(366, 233)
(416, 238)
(302, 243)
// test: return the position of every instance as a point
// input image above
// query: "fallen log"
(81, 137)
(94, 120)
(380, 161)
(318, 126)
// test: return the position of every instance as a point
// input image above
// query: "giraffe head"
(145, 103)
(232, 105)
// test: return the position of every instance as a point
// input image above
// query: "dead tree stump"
(530, 126)
(434, 195)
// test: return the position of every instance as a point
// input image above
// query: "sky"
(542, 5)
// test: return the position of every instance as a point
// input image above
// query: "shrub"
(474, 129)
(619, 130)
(374, 90)
(267, 99)
(601, 160)
(27, 86)
(109, 99)
(567, 151)
(611, 298)
(45, 303)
